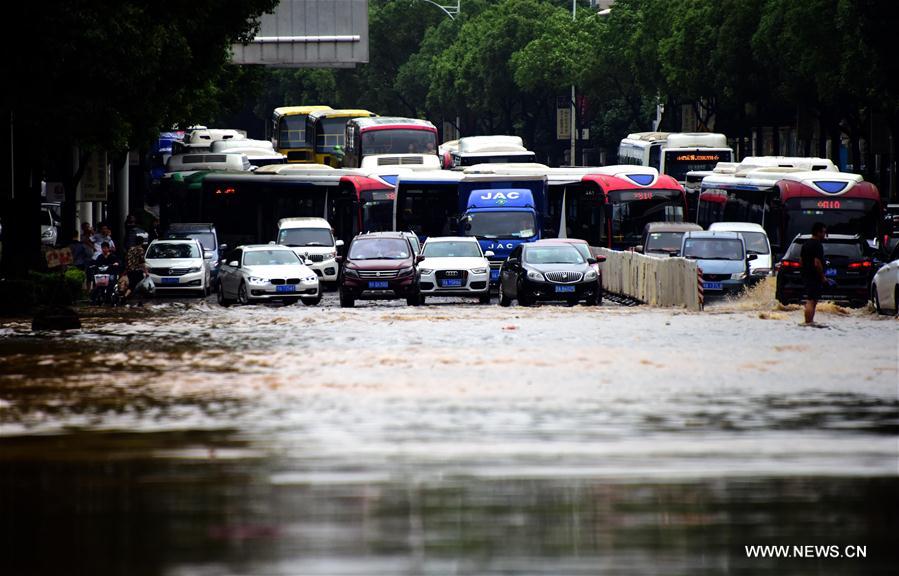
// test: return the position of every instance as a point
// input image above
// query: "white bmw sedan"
(454, 266)
(260, 272)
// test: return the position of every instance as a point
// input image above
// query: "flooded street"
(183, 438)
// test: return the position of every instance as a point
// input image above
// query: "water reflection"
(209, 503)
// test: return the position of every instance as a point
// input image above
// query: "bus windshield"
(679, 162)
(427, 209)
(330, 134)
(718, 205)
(292, 131)
(377, 210)
(855, 216)
(516, 224)
(632, 210)
(399, 142)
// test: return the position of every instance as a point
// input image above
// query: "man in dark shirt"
(812, 255)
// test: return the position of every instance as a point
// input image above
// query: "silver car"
(260, 272)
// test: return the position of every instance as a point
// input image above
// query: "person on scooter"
(109, 259)
(136, 265)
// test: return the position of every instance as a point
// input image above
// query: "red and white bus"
(845, 203)
(606, 206)
(390, 141)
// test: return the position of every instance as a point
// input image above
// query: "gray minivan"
(204, 232)
(722, 258)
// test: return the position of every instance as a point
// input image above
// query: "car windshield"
(500, 225)
(553, 255)
(756, 242)
(379, 249)
(173, 250)
(270, 258)
(664, 242)
(451, 250)
(207, 239)
(713, 249)
(305, 237)
(850, 250)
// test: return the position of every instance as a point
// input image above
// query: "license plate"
(377, 284)
(560, 289)
(449, 282)
(170, 280)
(494, 274)
(830, 272)
(286, 288)
(713, 286)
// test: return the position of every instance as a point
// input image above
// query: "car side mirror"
(752, 257)
(338, 244)
(591, 261)
(673, 254)
(223, 247)
(339, 259)
(208, 254)
(419, 258)
(489, 253)
(234, 263)
(599, 259)
(638, 248)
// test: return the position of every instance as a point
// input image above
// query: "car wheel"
(346, 301)
(413, 300)
(592, 300)
(503, 299)
(778, 295)
(221, 296)
(422, 299)
(242, 295)
(312, 301)
(524, 299)
(896, 300)
(876, 299)
(485, 299)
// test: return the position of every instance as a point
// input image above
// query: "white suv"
(312, 240)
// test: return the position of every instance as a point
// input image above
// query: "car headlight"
(738, 276)
(330, 256)
(256, 280)
(425, 271)
(405, 272)
(194, 269)
(351, 272)
(310, 278)
(590, 275)
(536, 276)
(478, 270)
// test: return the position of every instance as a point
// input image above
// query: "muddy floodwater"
(183, 438)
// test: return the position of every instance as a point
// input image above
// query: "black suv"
(379, 265)
(848, 261)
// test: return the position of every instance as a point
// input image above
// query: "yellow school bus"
(327, 130)
(288, 132)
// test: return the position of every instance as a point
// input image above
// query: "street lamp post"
(450, 9)
(573, 101)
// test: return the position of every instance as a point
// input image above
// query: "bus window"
(632, 210)
(428, 211)
(292, 132)
(584, 215)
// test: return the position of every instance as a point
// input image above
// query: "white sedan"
(885, 286)
(454, 266)
(266, 272)
(178, 265)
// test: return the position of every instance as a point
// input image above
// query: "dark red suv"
(379, 266)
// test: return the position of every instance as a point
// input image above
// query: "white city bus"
(675, 153)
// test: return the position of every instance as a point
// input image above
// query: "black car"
(848, 261)
(547, 271)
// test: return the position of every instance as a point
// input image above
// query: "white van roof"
(482, 144)
(303, 222)
(736, 227)
(221, 146)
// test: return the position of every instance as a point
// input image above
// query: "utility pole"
(573, 101)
